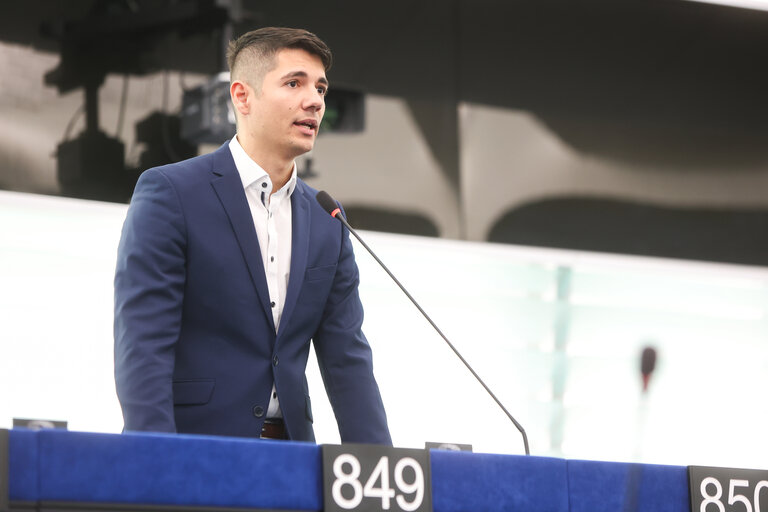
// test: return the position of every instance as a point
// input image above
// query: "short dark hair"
(258, 48)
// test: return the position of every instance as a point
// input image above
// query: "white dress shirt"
(271, 214)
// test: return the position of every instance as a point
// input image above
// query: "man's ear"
(240, 93)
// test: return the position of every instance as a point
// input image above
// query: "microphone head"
(327, 202)
(647, 365)
(648, 361)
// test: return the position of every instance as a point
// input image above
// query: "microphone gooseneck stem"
(512, 419)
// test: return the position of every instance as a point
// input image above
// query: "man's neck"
(279, 169)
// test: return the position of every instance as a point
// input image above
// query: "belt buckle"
(273, 428)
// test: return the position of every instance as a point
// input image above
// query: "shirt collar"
(250, 172)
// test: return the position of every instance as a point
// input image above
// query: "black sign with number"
(4, 470)
(370, 478)
(727, 490)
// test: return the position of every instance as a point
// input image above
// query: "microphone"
(634, 473)
(647, 365)
(329, 205)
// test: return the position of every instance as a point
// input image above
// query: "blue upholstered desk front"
(53, 466)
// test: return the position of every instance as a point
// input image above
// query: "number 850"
(732, 496)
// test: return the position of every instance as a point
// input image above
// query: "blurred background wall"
(598, 126)
(630, 127)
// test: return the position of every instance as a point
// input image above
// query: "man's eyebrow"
(302, 74)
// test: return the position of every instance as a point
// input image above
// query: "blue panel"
(180, 470)
(22, 462)
(463, 481)
(614, 486)
(228, 472)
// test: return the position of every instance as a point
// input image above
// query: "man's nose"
(314, 101)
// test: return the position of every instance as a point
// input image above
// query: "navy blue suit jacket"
(195, 343)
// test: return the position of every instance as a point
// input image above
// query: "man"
(227, 268)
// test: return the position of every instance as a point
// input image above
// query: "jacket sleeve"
(345, 358)
(149, 292)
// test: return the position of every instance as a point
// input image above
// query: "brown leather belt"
(274, 428)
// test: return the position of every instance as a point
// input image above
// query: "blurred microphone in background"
(634, 476)
(647, 365)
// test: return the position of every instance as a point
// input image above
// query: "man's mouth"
(310, 124)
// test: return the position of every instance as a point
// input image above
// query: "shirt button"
(263, 184)
(258, 411)
(275, 361)
(272, 258)
(272, 303)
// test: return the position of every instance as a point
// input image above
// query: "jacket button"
(275, 361)
(258, 411)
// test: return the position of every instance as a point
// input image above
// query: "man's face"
(286, 111)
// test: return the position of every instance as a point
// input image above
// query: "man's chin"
(303, 148)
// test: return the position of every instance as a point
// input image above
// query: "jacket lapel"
(228, 186)
(300, 227)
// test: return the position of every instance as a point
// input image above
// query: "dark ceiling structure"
(634, 80)
(609, 77)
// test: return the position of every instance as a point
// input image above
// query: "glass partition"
(557, 335)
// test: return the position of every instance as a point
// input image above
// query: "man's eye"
(322, 91)
(293, 83)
